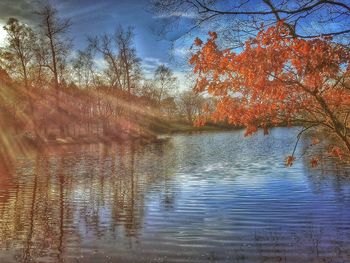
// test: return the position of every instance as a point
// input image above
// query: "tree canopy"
(277, 79)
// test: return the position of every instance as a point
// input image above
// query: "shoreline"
(157, 134)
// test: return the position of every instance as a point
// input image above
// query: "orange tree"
(278, 79)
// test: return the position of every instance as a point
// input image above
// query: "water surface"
(213, 197)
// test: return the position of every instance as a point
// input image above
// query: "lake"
(210, 197)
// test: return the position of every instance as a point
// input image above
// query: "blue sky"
(95, 17)
(91, 17)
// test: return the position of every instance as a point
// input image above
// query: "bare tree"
(55, 30)
(55, 47)
(18, 56)
(19, 53)
(190, 105)
(10, 102)
(84, 68)
(165, 81)
(238, 20)
(123, 65)
(40, 72)
(169, 107)
(105, 46)
(129, 61)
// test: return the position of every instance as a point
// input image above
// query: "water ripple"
(196, 198)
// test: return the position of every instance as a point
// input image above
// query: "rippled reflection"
(209, 197)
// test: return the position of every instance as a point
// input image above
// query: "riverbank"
(156, 132)
(12, 144)
(164, 127)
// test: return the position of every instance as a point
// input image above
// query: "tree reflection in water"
(62, 197)
(196, 198)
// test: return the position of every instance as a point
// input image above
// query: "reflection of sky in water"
(214, 196)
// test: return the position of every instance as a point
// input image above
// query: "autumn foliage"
(278, 79)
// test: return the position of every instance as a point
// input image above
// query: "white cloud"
(151, 60)
(177, 14)
(150, 64)
(2, 35)
(100, 63)
(181, 52)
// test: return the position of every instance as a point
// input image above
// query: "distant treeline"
(49, 93)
